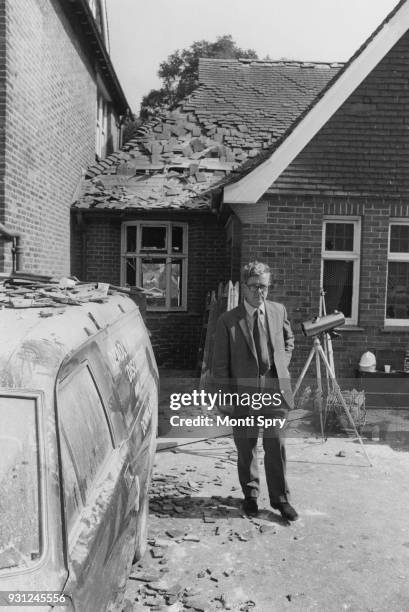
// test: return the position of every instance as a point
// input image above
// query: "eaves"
(82, 21)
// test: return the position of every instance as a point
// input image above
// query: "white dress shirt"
(250, 310)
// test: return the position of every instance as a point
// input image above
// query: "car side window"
(86, 438)
(72, 495)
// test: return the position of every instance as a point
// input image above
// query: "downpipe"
(16, 249)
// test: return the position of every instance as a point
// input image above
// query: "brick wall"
(175, 336)
(357, 164)
(290, 243)
(363, 148)
(3, 72)
(49, 131)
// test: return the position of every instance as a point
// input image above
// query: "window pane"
(154, 279)
(177, 239)
(176, 284)
(399, 239)
(131, 271)
(84, 426)
(154, 238)
(397, 301)
(19, 483)
(338, 279)
(339, 236)
(131, 238)
(72, 495)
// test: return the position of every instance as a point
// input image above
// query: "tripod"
(328, 362)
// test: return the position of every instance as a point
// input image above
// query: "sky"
(144, 32)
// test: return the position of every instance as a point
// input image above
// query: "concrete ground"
(349, 550)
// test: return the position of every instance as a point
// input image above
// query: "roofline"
(80, 15)
(272, 62)
(123, 213)
(251, 187)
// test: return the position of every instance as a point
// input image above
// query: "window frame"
(167, 254)
(397, 257)
(43, 468)
(101, 136)
(354, 255)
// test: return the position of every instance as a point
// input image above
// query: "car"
(78, 413)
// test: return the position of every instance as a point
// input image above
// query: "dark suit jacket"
(234, 365)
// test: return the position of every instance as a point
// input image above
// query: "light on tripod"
(326, 323)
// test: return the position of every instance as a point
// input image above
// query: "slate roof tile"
(175, 160)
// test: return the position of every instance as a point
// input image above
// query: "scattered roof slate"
(175, 160)
(31, 291)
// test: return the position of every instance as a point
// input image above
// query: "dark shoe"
(287, 511)
(250, 506)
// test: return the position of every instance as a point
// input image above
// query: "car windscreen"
(19, 483)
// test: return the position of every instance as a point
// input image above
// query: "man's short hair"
(254, 268)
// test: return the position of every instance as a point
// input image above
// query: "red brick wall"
(175, 336)
(49, 131)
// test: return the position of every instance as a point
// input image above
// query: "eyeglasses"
(256, 288)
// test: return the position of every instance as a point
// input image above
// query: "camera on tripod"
(326, 323)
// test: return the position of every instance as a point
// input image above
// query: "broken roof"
(239, 108)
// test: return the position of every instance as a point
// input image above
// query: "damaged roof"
(175, 160)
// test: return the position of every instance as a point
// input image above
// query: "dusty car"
(78, 414)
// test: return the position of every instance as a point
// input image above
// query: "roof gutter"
(80, 15)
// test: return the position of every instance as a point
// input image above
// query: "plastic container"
(367, 362)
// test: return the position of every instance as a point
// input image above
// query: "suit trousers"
(274, 463)
(246, 439)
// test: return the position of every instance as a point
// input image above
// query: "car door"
(97, 489)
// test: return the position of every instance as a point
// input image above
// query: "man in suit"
(252, 351)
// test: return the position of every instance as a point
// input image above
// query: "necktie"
(260, 342)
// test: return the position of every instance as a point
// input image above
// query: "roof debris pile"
(167, 165)
(175, 160)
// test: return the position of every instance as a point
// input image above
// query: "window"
(86, 439)
(20, 532)
(397, 290)
(102, 128)
(340, 265)
(155, 257)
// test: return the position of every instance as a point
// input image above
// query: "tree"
(180, 72)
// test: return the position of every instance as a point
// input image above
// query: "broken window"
(340, 265)
(397, 293)
(153, 238)
(155, 258)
